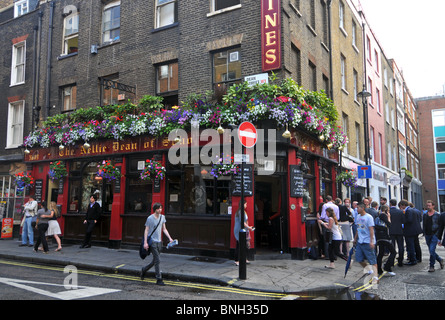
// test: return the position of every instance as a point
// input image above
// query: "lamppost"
(365, 95)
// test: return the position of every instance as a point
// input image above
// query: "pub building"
(199, 207)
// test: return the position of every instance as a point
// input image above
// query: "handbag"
(142, 252)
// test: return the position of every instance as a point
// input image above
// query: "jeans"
(88, 232)
(155, 250)
(431, 242)
(27, 231)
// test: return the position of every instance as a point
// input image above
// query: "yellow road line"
(172, 283)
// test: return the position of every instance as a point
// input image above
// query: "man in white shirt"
(30, 209)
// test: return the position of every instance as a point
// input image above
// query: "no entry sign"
(247, 134)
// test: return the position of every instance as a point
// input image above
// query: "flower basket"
(224, 167)
(57, 170)
(24, 180)
(108, 171)
(153, 170)
(348, 178)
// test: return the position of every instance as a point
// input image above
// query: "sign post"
(247, 135)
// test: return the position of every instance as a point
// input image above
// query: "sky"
(413, 34)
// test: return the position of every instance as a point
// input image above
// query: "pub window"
(166, 12)
(226, 68)
(309, 200)
(193, 190)
(69, 94)
(84, 183)
(139, 192)
(223, 4)
(71, 34)
(326, 181)
(111, 22)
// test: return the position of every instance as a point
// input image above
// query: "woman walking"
(334, 238)
(53, 225)
(43, 216)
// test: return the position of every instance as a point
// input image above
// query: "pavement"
(271, 272)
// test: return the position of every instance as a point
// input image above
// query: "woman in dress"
(53, 225)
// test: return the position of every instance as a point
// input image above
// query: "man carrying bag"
(156, 225)
(30, 210)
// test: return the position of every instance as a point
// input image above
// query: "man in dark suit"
(91, 218)
(396, 230)
(409, 231)
(418, 227)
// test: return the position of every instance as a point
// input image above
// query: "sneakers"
(431, 269)
(159, 282)
(390, 273)
(441, 264)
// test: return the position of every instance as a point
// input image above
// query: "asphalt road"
(27, 281)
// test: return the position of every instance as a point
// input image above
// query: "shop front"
(199, 204)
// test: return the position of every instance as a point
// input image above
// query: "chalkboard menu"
(157, 185)
(38, 189)
(296, 182)
(248, 182)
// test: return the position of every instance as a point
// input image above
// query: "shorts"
(364, 251)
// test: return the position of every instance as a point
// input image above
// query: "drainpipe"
(48, 59)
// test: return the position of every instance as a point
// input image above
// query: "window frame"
(214, 10)
(229, 81)
(109, 7)
(71, 87)
(66, 38)
(10, 132)
(157, 12)
(14, 65)
(19, 5)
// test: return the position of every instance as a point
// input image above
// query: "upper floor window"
(227, 67)
(69, 94)
(71, 33)
(167, 77)
(15, 124)
(111, 22)
(341, 15)
(166, 12)
(223, 4)
(20, 8)
(18, 63)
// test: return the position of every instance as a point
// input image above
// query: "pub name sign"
(270, 34)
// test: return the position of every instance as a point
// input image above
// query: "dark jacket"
(412, 222)
(436, 227)
(441, 227)
(382, 226)
(93, 212)
(397, 221)
(345, 214)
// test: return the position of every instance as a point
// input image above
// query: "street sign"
(247, 134)
(364, 172)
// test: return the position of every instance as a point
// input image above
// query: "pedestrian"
(418, 227)
(383, 202)
(382, 222)
(324, 218)
(237, 228)
(30, 210)
(354, 215)
(91, 218)
(373, 211)
(409, 231)
(396, 230)
(53, 225)
(365, 241)
(321, 247)
(334, 238)
(155, 225)
(43, 216)
(345, 222)
(432, 230)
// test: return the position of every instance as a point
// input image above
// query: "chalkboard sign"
(156, 185)
(38, 189)
(61, 186)
(296, 182)
(248, 182)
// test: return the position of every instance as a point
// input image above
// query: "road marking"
(71, 294)
(172, 283)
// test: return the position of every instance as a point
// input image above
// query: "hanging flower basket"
(153, 170)
(224, 167)
(108, 171)
(57, 170)
(24, 180)
(348, 179)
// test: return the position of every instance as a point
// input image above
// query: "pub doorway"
(269, 221)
